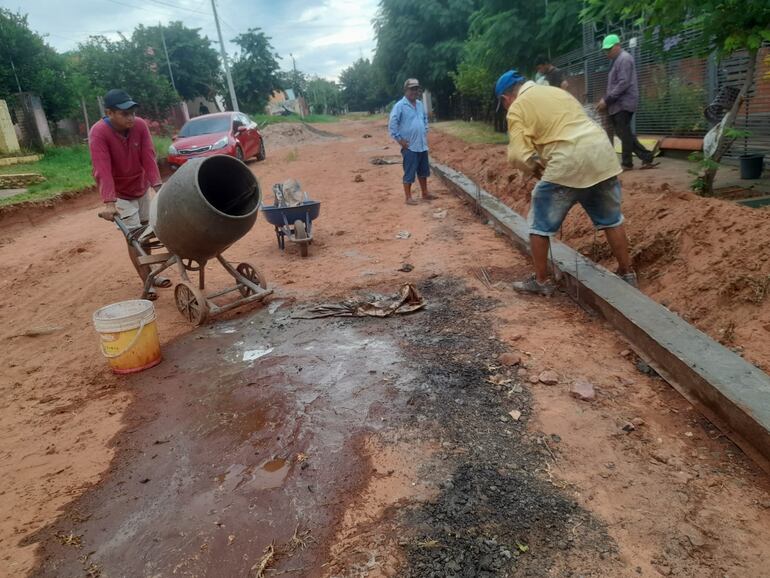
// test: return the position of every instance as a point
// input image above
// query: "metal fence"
(676, 84)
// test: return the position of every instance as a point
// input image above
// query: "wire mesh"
(676, 85)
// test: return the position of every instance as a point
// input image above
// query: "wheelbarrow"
(296, 223)
(207, 205)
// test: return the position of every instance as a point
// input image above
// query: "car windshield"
(209, 125)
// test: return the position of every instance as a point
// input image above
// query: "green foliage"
(128, 65)
(360, 87)
(473, 81)
(422, 40)
(255, 69)
(506, 35)
(65, 169)
(673, 103)
(323, 96)
(39, 68)
(727, 25)
(703, 164)
(194, 63)
(293, 79)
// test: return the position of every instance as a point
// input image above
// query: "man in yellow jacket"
(552, 138)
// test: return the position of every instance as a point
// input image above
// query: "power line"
(179, 7)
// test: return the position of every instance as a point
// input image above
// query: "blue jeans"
(552, 202)
(415, 164)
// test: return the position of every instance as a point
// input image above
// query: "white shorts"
(135, 212)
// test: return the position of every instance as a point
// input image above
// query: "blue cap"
(506, 81)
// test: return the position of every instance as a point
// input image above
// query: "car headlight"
(220, 144)
(172, 150)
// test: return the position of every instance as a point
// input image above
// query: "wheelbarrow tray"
(284, 216)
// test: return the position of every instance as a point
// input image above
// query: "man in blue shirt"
(408, 125)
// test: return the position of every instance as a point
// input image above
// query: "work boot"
(630, 278)
(532, 285)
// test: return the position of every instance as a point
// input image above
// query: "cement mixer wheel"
(300, 234)
(191, 303)
(252, 274)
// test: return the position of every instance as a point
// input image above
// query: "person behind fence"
(551, 137)
(408, 126)
(620, 103)
(125, 169)
(548, 74)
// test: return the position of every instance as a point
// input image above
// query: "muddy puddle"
(247, 433)
(375, 447)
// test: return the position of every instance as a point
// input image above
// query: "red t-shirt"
(124, 166)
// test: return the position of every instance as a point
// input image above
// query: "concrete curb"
(733, 394)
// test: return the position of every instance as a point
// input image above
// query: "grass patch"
(265, 119)
(472, 132)
(161, 146)
(65, 169)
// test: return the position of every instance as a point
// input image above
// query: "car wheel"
(261, 154)
(238, 153)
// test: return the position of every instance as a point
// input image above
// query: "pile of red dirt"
(706, 259)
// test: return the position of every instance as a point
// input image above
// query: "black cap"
(118, 99)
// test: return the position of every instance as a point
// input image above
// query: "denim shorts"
(415, 164)
(551, 203)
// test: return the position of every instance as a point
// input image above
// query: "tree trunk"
(724, 141)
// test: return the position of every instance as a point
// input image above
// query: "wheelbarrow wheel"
(252, 274)
(300, 234)
(191, 303)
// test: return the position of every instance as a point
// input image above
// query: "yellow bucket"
(129, 335)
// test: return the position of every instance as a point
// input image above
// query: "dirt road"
(354, 447)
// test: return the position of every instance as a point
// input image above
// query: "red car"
(222, 133)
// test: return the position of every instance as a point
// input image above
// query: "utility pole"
(296, 86)
(168, 61)
(224, 59)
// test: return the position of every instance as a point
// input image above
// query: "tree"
(360, 87)
(474, 82)
(38, 68)
(727, 26)
(255, 70)
(423, 40)
(295, 80)
(194, 63)
(506, 35)
(130, 66)
(323, 96)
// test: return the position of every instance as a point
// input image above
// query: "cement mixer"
(205, 207)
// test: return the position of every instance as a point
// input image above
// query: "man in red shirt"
(125, 169)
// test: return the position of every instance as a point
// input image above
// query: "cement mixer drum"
(206, 206)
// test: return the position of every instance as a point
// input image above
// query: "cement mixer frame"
(192, 301)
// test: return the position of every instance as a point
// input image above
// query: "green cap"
(609, 41)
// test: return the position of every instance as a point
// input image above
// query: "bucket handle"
(129, 346)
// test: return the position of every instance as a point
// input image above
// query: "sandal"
(411, 202)
(650, 165)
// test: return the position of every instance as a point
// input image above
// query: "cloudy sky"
(325, 36)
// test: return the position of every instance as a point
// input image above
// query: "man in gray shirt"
(621, 101)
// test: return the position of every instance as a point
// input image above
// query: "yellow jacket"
(547, 124)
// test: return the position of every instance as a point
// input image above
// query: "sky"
(325, 36)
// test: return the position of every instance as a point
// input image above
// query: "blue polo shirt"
(410, 123)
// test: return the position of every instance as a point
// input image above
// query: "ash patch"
(499, 511)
